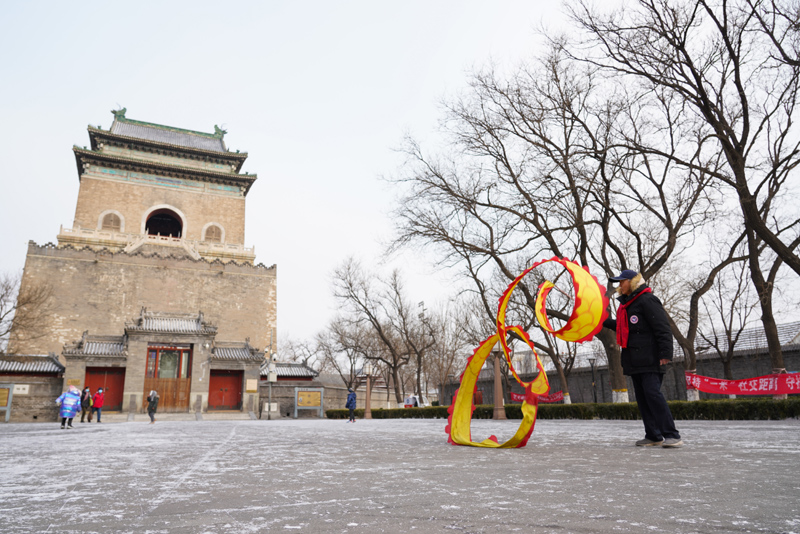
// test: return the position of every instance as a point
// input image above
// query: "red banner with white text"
(553, 397)
(782, 384)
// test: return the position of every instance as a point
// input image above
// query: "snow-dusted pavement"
(396, 476)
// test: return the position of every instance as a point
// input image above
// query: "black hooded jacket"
(649, 335)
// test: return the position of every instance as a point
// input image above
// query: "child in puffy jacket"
(70, 402)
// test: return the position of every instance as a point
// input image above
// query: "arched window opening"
(213, 234)
(112, 222)
(164, 222)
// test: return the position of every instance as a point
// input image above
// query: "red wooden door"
(225, 390)
(112, 380)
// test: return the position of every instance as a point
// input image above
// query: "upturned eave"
(83, 155)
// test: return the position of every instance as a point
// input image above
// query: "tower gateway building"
(153, 287)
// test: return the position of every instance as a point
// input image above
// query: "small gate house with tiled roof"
(153, 284)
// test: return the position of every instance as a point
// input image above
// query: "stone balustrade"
(121, 240)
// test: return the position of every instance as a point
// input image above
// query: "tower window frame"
(111, 221)
(213, 234)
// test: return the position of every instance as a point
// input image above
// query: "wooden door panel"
(173, 393)
(112, 380)
(225, 390)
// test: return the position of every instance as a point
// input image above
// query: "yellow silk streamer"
(586, 320)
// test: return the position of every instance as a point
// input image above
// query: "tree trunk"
(726, 368)
(398, 394)
(419, 377)
(619, 385)
(765, 300)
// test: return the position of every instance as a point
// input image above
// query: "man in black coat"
(644, 335)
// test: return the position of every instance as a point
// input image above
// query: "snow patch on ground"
(395, 476)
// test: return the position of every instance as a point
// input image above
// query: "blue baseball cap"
(627, 274)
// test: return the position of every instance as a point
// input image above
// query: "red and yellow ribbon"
(586, 320)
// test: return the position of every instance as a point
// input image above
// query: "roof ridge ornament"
(219, 133)
(119, 113)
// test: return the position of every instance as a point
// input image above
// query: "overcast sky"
(318, 93)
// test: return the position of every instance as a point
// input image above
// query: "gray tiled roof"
(168, 135)
(103, 348)
(170, 323)
(237, 353)
(97, 346)
(30, 363)
(289, 370)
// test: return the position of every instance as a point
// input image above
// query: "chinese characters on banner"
(784, 384)
(553, 397)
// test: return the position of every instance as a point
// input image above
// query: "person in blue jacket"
(351, 405)
(70, 402)
(645, 338)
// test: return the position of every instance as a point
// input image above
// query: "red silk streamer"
(553, 397)
(784, 384)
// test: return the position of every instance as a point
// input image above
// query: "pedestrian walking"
(70, 402)
(97, 403)
(351, 405)
(86, 405)
(152, 405)
(644, 335)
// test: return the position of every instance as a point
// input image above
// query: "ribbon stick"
(586, 320)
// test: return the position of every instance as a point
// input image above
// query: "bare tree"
(414, 327)
(729, 309)
(302, 351)
(537, 169)
(22, 310)
(343, 346)
(733, 66)
(381, 307)
(449, 350)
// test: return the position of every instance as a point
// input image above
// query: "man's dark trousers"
(657, 418)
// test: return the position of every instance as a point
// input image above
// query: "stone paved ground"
(396, 476)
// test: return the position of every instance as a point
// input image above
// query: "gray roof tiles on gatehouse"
(171, 323)
(87, 345)
(289, 370)
(237, 353)
(30, 363)
(168, 135)
(104, 348)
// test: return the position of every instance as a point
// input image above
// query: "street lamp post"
(594, 387)
(368, 405)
